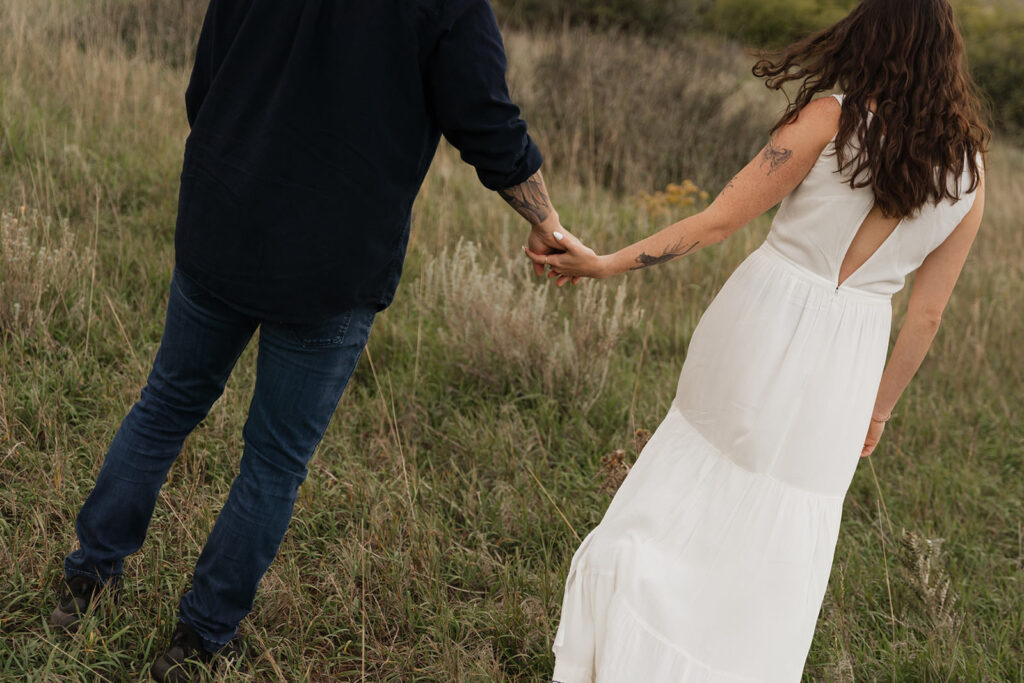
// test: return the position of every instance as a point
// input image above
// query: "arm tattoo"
(529, 198)
(677, 249)
(775, 157)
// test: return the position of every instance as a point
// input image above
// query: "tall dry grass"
(41, 269)
(83, 116)
(511, 334)
(621, 113)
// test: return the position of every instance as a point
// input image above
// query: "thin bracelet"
(887, 418)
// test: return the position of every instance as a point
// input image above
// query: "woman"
(712, 560)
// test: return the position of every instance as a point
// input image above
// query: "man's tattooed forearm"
(677, 249)
(775, 157)
(529, 198)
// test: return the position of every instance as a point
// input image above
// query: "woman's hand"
(875, 430)
(575, 262)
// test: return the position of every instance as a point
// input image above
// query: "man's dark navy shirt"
(313, 123)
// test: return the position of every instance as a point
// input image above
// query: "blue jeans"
(301, 371)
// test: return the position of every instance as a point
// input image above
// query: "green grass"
(433, 535)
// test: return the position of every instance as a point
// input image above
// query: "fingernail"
(557, 235)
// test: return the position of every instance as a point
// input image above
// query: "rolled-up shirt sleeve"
(470, 99)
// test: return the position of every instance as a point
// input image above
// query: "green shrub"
(773, 23)
(994, 34)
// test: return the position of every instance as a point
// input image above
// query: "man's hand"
(574, 262)
(544, 243)
(542, 240)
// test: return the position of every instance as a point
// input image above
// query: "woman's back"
(838, 232)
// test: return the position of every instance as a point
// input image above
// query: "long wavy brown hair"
(907, 58)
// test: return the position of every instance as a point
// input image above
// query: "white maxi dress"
(712, 559)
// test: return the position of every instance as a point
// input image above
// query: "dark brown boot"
(79, 592)
(184, 659)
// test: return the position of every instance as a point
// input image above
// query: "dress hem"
(567, 671)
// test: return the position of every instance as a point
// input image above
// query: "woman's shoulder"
(826, 108)
(818, 119)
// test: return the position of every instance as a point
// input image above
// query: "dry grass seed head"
(922, 571)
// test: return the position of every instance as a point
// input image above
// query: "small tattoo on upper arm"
(775, 157)
(529, 198)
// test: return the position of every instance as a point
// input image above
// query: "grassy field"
(435, 530)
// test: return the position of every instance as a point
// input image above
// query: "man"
(312, 126)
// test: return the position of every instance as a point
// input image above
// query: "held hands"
(567, 257)
(549, 243)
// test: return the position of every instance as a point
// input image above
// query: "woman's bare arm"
(761, 184)
(933, 284)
